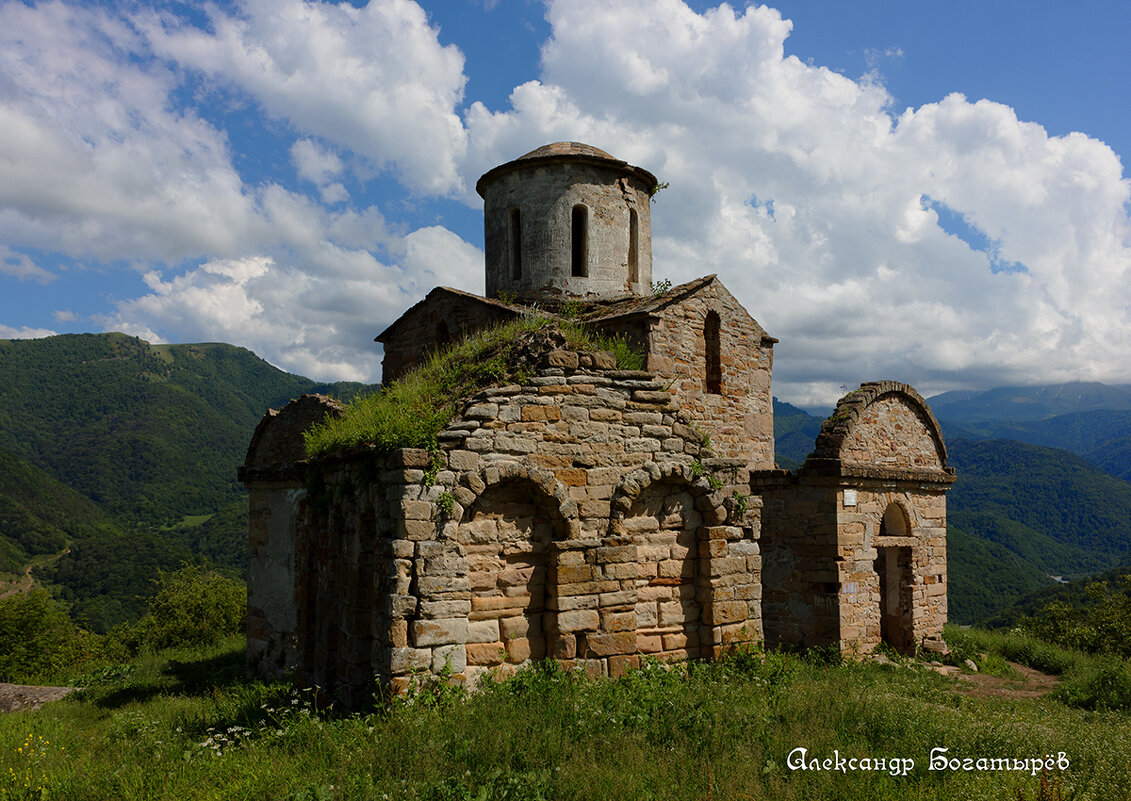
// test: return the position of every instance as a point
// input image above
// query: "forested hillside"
(39, 515)
(128, 453)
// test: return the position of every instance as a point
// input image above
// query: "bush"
(192, 606)
(1098, 684)
(38, 640)
(1101, 625)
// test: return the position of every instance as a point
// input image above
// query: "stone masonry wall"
(739, 419)
(800, 579)
(419, 331)
(569, 517)
(923, 547)
(855, 545)
(545, 196)
(891, 433)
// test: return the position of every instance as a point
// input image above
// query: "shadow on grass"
(191, 676)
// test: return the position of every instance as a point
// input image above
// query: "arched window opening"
(579, 242)
(633, 257)
(714, 354)
(516, 245)
(894, 522)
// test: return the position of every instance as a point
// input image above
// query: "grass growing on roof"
(410, 412)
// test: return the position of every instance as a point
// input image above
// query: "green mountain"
(150, 432)
(1082, 513)
(1074, 593)
(128, 453)
(795, 431)
(1102, 436)
(39, 515)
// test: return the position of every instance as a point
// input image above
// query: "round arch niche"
(895, 522)
(506, 533)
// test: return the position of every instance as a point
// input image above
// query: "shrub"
(1103, 683)
(38, 638)
(192, 606)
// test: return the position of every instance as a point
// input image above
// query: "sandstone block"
(479, 631)
(541, 413)
(578, 620)
(485, 653)
(403, 660)
(562, 358)
(451, 657)
(482, 411)
(409, 457)
(619, 665)
(439, 632)
(597, 644)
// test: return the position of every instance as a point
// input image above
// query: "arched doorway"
(894, 575)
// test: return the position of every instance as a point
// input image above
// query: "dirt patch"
(16, 697)
(1029, 683)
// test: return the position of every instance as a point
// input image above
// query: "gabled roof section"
(833, 449)
(459, 294)
(655, 305)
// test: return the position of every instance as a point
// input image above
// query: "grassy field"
(184, 724)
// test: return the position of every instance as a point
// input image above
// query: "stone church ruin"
(585, 513)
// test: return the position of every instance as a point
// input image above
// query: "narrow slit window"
(579, 242)
(516, 245)
(714, 353)
(633, 257)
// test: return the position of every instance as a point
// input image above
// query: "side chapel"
(590, 514)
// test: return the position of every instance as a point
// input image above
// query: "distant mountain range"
(118, 459)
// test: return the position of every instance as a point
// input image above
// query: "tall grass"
(1096, 682)
(186, 725)
(410, 412)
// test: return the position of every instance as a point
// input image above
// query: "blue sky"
(932, 193)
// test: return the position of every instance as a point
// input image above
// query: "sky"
(929, 193)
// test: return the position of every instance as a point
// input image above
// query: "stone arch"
(709, 502)
(857, 431)
(895, 577)
(507, 526)
(895, 521)
(661, 512)
(474, 483)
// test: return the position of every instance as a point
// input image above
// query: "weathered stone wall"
(800, 580)
(445, 316)
(272, 617)
(919, 602)
(276, 482)
(569, 517)
(855, 544)
(738, 415)
(892, 433)
(545, 195)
